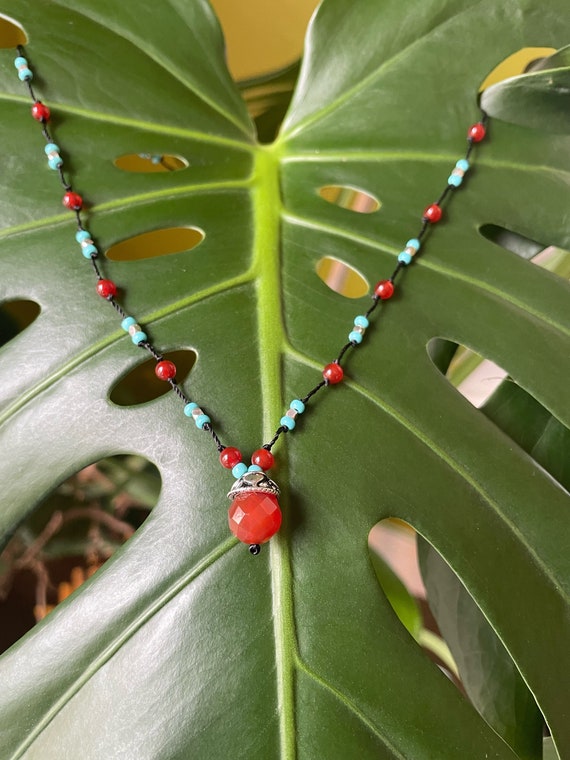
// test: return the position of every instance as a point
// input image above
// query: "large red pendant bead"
(254, 517)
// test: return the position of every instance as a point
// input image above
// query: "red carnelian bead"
(40, 112)
(254, 517)
(263, 458)
(333, 373)
(433, 213)
(476, 132)
(165, 370)
(72, 201)
(229, 457)
(106, 288)
(384, 289)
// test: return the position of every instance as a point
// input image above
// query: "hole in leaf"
(69, 536)
(484, 665)
(393, 551)
(554, 259)
(141, 384)
(11, 33)
(508, 406)
(341, 277)
(511, 241)
(147, 163)
(516, 64)
(350, 198)
(15, 316)
(156, 243)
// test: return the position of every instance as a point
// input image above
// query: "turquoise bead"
(405, 258)
(239, 470)
(462, 164)
(297, 405)
(24, 75)
(189, 408)
(413, 243)
(89, 250)
(127, 322)
(20, 61)
(355, 337)
(361, 321)
(139, 337)
(254, 468)
(287, 422)
(82, 235)
(55, 162)
(51, 148)
(201, 420)
(455, 180)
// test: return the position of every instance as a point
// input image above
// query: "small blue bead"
(413, 243)
(462, 164)
(55, 162)
(405, 258)
(297, 405)
(239, 470)
(20, 61)
(128, 322)
(355, 337)
(139, 337)
(287, 422)
(24, 75)
(82, 235)
(189, 408)
(201, 420)
(89, 250)
(51, 148)
(361, 321)
(455, 180)
(254, 468)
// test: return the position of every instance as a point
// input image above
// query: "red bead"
(333, 373)
(165, 370)
(433, 213)
(254, 517)
(72, 201)
(263, 458)
(106, 288)
(384, 289)
(476, 132)
(229, 457)
(40, 112)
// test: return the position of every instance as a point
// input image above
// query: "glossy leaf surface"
(184, 645)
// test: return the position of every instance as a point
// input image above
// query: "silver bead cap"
(253, 481)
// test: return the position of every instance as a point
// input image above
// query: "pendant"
(254, 515)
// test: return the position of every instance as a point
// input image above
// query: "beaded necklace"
(254, 515)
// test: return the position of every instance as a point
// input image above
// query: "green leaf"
(538, 99)
(183, 645)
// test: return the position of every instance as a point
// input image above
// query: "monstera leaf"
(183, 645)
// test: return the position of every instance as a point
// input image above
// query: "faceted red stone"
(263, 458)
(106, 288)
(254, 517)
(333, 373)
(165, 370)
(229, 457)
(384, 289)
(433, 213)
(476, 132)
(72, 201)
(40, 112)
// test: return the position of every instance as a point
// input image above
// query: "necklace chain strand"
(251, 482)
